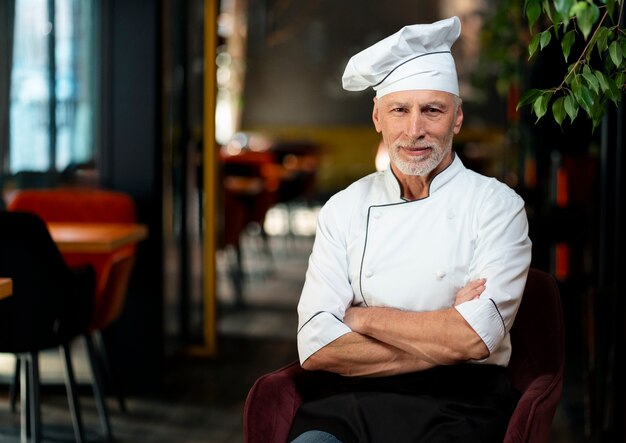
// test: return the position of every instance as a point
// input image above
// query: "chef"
(417, 272)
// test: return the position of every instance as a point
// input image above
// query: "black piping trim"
(502, 319)
(367, 224)
(403, 202)
(406, 61)
(367, 231)
(315, 315)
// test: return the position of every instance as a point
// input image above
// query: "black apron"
(462, 403)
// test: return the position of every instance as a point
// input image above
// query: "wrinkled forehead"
(417, 96)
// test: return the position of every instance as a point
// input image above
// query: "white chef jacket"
(373, 248)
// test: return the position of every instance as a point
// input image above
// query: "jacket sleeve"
(327, 292)
(502, 256)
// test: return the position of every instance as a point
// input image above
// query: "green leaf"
(563, 7)
(615, 52)
(576, 84)
(585, 98)
(602, 40)
(620, 79)
(533, 45)
(545, 38)
(586, 16)
(528, 97)
(610, 6)
(571, 107)
(558, 110)
(570, 77)
(614, 91)
(547, 10)
(558, 19)
(561, 11)
(604, 84)
(592, 80)
(591, 45)
(540, 106)
(594, 11)
(596, 115)
(533, 11)
(577, 8)
(567, 42)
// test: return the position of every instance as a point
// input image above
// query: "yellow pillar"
(209, 346)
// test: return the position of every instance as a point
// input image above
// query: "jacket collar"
(439, 181)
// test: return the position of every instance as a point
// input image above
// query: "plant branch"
(584, 51)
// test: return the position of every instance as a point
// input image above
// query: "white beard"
(419, 166)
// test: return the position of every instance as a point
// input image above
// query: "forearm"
(354, 354)
(439, 337)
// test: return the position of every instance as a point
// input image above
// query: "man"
(416, 272)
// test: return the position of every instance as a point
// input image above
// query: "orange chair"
(535, 369)
(112, 270)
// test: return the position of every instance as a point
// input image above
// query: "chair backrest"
(89, 205)
(76, 205)
(537, 361)
(30, 317)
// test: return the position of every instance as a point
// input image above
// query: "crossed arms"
(387, 341)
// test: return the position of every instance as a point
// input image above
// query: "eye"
(433, 110)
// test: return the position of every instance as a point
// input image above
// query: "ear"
(376, 116)
(459, 120)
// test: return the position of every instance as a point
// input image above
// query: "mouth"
(416, 151)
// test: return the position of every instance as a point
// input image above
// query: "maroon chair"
(536, 370)
(536, 366)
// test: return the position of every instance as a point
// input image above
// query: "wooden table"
(6, 287)
(96, 237)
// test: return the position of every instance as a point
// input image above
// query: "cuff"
(322, 329)
(483, 316)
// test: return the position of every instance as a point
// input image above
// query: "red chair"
(536, 370)
(536, 366)
(249, 186)
(113, 269)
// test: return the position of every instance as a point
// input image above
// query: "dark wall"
(131, 162)
(296, 57)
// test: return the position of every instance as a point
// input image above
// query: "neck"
(415, 187)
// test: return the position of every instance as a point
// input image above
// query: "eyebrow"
(433, 103)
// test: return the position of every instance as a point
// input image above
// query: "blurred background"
(226, 123)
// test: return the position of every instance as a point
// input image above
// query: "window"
(53, 100)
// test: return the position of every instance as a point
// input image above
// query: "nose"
(416, 127)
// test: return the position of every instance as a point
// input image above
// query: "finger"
(472, 287)
(477, 282)
(469, 292)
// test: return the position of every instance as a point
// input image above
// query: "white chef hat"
(416, 57)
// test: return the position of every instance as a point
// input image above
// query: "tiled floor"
(202, 399)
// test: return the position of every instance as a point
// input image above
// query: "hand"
(470, 291)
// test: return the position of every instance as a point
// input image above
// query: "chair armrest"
(271, 405)
(532, 419)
